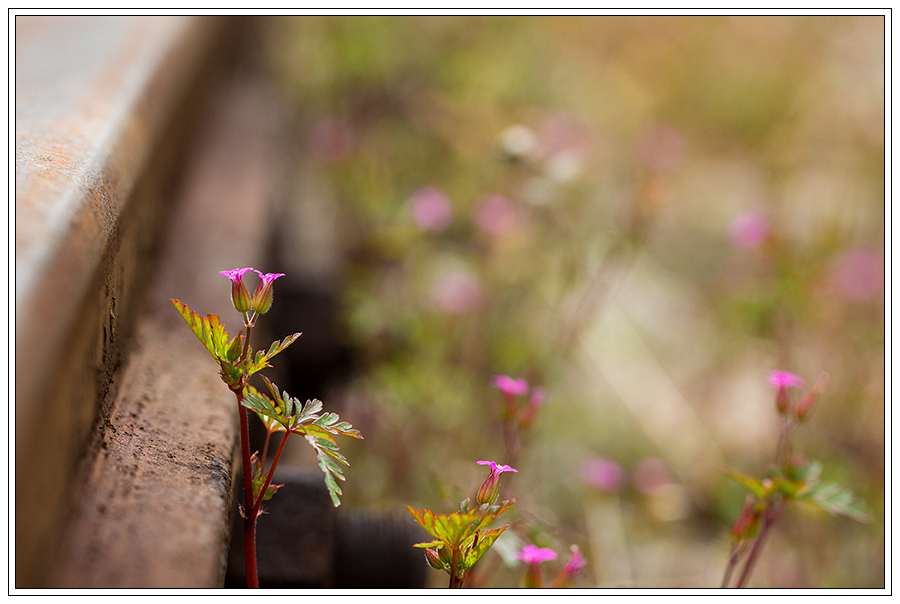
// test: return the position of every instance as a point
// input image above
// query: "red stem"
(258, 503)
(249, 516)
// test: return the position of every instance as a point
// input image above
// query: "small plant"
(791, 479)
(279, 412)
(463, 537)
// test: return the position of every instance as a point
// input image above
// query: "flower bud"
(490, 488)
(747, 523)
(240, 297)
(782, 380)
(262, 297)
(434, 561)
(806, 403)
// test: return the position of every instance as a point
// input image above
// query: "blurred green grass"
(620, 288)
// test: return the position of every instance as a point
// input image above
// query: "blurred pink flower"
(510, 386)
(750, 229)
(430, 209)
(576, 562)
(563, 133)
(783, 379)
(495, 468)
(603, 473)
(455, 291)
(660, 146)
(858, 274)
(331, 140)
(532, 554)
(496, 214)
(650, 475)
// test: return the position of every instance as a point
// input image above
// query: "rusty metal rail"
(123, 438)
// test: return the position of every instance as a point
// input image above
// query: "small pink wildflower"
(576, 562)
(496, 214)
(240, 297)
(510, 386)
(490, 488)
(498, 469)
(858, 274)
(430, 209)
(784, 379)
(651, 475)
(603, 473)
(660, 146)
(532, 554)
(456, 292)
(262, 297)
(750, 229)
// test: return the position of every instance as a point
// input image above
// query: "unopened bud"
(490, 488)
(746, 524)
(240, 297)
(262, 297)
(806, 403)
(433, 559)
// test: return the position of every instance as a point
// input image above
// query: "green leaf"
(836, 500)
(208, 330)
(754, 484)
(481, 543)
(261, 360)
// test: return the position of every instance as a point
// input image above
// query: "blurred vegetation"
(680, 205)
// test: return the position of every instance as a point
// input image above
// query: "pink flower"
(431, 209)
(262, 297)
(496, 468)
(490, 488)
(750, 229)
(455, 292)
(660, 146)
(510, 386)
(858, 274)
(532, 554)
(784, 379)
(603, 473)
(496, 214)
(576, 562)
(240, 297)
(651, 475)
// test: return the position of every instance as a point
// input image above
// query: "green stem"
(455, 581)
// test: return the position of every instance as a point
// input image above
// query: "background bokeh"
(641, 215)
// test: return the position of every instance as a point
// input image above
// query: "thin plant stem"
(455, 582)
(258, 503)
(771, 516)
(249, 517)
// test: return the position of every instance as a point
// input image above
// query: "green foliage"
(261, 361)
(802, 483)
(835, 500)
(463, 534)
(227, 353)
(284, 413)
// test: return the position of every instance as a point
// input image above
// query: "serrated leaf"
(207, 329)
(261, 360)
(754, 484)
(481, 543)
(836, 500)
